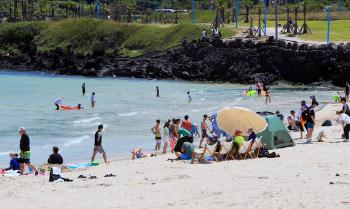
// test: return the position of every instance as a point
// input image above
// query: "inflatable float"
(71, 108)
(250, 93)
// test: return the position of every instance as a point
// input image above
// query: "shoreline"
(305, 176)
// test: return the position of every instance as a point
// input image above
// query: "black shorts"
(23, 161)
(204, 134)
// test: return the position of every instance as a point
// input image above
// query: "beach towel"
(81, 165)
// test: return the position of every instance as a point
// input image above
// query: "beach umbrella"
(231, 119)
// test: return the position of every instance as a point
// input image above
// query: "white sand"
(300, 178)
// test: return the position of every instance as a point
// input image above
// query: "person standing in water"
(93, 99)
(189, 97)
(157, 91)
(158, 136)
(25, 154)
(83, 89)
(267, 93)
(58, 102)
(98, 145)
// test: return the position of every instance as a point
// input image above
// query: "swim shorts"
(204, 134)
(309, 125)
(23, 161)
(158, 141)
(99, 150)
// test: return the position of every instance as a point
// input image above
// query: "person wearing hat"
(58, 102)
(14, 163)
(239, 139)
(98, 144)
(24, 158)
(251, 135)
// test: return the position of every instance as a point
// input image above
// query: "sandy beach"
(300, 178)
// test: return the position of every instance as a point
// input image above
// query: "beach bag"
(327, 123)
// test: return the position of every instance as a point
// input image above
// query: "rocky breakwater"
(239, 61)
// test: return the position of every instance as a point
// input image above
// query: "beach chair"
(245, 149)
(256, 147)
(207, 151)
(226, 148)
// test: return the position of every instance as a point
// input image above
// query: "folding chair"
(245, 149)
(257, 146)
(207, 151)
(226, 148)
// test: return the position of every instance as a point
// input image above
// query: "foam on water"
(87, 120)
(77, 140)
(127, 114)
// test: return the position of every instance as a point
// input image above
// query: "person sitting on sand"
(137, 153)
(186, 151)
(281, 116)
(183, 132)
(345, 120)
(55, 157)
(14, 162)
(320, 136)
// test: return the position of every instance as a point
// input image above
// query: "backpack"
(306, 115)
(327, 123)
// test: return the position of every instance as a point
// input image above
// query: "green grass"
(83, 36)
(339, 31)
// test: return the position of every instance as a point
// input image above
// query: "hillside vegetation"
(82, 36)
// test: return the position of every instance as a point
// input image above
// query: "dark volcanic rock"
(238, 60)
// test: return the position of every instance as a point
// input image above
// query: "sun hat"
(238, 132)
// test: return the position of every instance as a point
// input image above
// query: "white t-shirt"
(58, 101)
(344, 118)
(93, 98)
(204, 33)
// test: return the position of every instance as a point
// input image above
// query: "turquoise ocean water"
(128, 109)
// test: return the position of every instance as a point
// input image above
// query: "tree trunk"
(246, 13)
(14, 10)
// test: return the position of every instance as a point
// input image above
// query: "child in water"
(189, 97)
(156, 131)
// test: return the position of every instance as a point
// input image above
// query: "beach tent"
(276, 134)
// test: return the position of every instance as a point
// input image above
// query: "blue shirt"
(14, 164)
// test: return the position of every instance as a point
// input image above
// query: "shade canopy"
(231, 119)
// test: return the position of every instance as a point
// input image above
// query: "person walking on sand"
(93, 99)
(83, 89)
(189, 98)
(25, 153)
(58, 102)
(204, 127)
(172, 134)
(345, 120)
(266, 88)
(309, 116)
(158, 136)
(98, 145)
(166, 136)
(157, 91)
